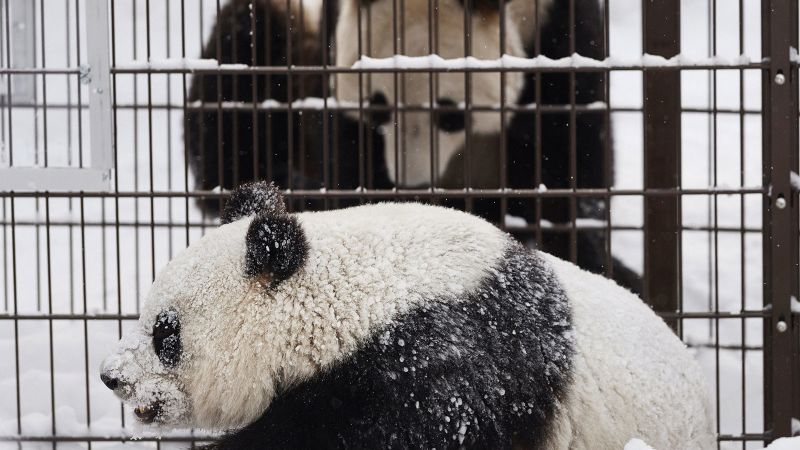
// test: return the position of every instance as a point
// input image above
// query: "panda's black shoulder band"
(276, 246)
(253, 198)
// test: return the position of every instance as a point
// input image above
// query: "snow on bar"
(436, 62)
(541, 61)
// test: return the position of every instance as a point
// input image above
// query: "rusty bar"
(662, 157)
(779, 103)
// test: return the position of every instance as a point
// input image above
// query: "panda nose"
(111, 383)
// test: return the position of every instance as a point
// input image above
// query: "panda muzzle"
(148, 414)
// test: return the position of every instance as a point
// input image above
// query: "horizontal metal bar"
(59, 179)
(89, 438)
(41, 71)
(68, 316)
(715, 315)
(85, 438)
(743, 437)
(415, 193)
(669, 315)
(532, 227)
(321, 70)
(213, 106)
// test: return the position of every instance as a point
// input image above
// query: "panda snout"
(110, 382)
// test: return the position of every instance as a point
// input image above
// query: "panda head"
(190, 359)
(410, 135)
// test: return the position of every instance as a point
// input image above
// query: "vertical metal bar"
(742, 234)
(573, 144)
(779, 103)
(23, 54)
(662, 157)
(45, 128)
(118, 255)
(97, 46)
(50, 320)
(715, 215)
(10, 143)
(15, 293)
(86, 311)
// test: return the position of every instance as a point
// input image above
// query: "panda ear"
(253, 198)
(276, 246)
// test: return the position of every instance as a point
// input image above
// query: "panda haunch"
(399, 326)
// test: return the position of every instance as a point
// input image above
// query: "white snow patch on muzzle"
(143, 382)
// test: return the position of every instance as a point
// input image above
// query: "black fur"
(167, 338)
(253, 198)
(483, 372)
(594, 170)
(276, 246)
(229, 147)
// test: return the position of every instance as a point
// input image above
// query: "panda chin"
(147, 414)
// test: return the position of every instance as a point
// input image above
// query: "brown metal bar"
(779, 100)
(662, 157)
(320, 70)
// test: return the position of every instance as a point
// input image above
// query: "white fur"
(242, 340)
(633, 376)
(414, 128)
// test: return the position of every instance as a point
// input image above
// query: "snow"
(637, 444)
(141, 251)
(543, 62)
(779, 444)
(171, 64)
(785, 444)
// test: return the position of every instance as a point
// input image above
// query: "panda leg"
(228, 146)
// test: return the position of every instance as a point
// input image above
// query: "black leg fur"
(223, 148)
(590, 134)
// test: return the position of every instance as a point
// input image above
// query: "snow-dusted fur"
(632, 376)
(241, 341)
(379, 287)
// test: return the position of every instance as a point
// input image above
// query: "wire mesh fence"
(653, 142)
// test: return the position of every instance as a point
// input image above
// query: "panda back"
(633, 378)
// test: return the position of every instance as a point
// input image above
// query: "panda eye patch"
(379, 101)
(449, 121)
(167, 338)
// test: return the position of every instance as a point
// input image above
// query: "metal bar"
(61, 179)
(115, 317)
(97, 44)
(421, 193)
(779, 101)
(450, 68)
(662, 157)
(23, 40)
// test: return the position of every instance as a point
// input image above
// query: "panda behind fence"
(401, 326)
(237, 144)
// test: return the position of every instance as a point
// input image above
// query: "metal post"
(23, 41)
(779, 103)
(662, 158)
(99, 75)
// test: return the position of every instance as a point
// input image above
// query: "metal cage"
(98, 191)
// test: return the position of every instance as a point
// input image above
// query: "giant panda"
(416, 140)
(416, 149)
(399, 325)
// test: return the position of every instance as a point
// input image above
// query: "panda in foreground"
(399, 326)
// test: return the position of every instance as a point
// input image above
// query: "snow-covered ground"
(113, 271)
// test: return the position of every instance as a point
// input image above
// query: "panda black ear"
(249, 199)
(276, 246)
